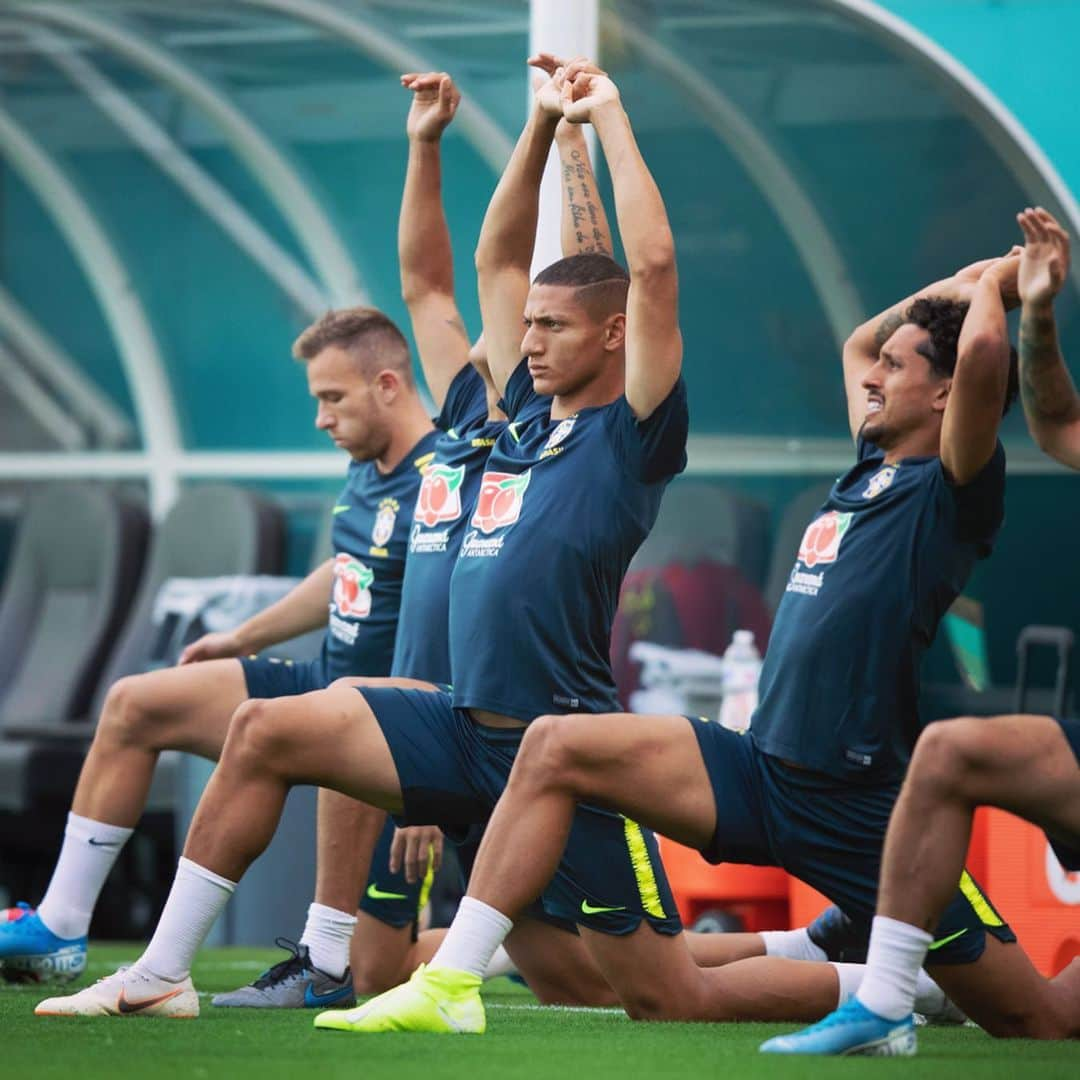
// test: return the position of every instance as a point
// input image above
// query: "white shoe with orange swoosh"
(128, 992)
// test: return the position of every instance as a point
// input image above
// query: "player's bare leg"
(180, 708)
(1022, 764)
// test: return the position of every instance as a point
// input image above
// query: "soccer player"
(385, 946)
(1029, 765)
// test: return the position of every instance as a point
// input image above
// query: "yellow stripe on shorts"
(987, 915)
(648, 890)
(429, 880)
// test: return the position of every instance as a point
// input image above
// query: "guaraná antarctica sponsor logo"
(439, 498)
(820, 546)
(352, 596)
(497, 506)
(880, 481)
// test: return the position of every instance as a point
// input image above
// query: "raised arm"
(1051, 403)
(980, 380)
(653, 339)
(584, 225)
(298, 611)
(424, 253)
(863, 346)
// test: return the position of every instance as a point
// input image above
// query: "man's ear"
(615, 332)
(941, 395)
(387, 385)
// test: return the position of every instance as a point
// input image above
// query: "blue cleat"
(851, 1029)
(31, 953)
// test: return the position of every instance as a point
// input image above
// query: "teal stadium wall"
(908, 187)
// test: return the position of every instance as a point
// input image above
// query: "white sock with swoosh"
(87, 855)
(896, 954)
(328, 935)
(195, 900)
(476, 932)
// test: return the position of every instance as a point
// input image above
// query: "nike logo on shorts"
(945, 940)
(375, 893)
(588, 909)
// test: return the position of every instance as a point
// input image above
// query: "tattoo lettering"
(1045, 383)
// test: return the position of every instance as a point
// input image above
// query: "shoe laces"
(285, 969)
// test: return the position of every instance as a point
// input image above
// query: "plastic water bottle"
(742, 667)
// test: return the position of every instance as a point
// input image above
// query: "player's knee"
(947, 754)
(547, 752)
(126, 710)
(371, 975)
(255, 734)
(646, 1003)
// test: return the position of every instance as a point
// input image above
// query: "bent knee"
(950, 751)
(647, 1006)
(256, 731)
(548, 754)
(128, 709)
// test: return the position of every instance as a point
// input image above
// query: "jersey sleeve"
(653, 449)
(980, 503)
(466, 401)
(520, 400)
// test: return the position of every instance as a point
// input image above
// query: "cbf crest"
(560, 433)
(384, 522)
(880, 481)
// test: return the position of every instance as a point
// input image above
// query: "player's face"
(565, 345)
(348, 406)
(903, 393)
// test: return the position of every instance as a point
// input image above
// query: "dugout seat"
(48, 715)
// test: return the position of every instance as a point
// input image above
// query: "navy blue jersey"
(877, 568)
(443, 505)
(370, 536)
(562, 507)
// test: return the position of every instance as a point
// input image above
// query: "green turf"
(523, 1041)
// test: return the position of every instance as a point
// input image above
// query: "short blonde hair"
(367, 333)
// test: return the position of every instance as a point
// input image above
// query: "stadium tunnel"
(184, 189)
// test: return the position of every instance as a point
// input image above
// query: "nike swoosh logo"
(125, 1006)
(315, 1001)
(103, 843)
(588, 909)
(341, 509)
(375, 893)
(945, 940)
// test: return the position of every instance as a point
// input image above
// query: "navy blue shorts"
(388, 897)
(1067, 848)
(268, 677)
(825, 833)
(452, 772)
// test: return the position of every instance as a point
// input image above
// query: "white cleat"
(129, 992)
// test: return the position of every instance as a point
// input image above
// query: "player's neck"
(915, 444)
(604, 389)
(408, 430)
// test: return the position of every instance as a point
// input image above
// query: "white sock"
(792, 944)
(474, 935)
(500, 964)
(897, 951)
(195, 900)
(929, 997)
(328, 934)
(850, 977)
(87, 855)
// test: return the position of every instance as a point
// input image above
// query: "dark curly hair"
(942, 320)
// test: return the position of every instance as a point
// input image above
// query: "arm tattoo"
(1045, 384)
(588, 234)
(887, 327)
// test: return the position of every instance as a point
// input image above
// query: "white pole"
(566, 28)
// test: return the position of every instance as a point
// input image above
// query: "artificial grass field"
(523, 1041)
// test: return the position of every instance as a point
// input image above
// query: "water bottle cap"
(744, 637)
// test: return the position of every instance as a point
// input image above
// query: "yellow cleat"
(435, 999)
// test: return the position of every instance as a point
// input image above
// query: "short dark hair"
(943, 319)
(598, 281)
(367, 333)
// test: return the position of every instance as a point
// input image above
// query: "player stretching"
(1025, 764)
(359, 372)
